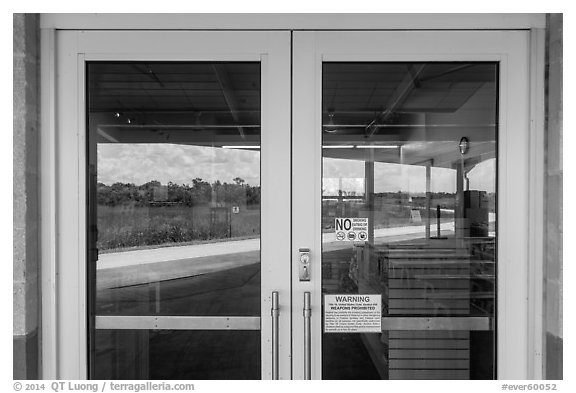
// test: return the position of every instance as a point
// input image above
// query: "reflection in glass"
(391, 134)
(193, 355)
(174, 192)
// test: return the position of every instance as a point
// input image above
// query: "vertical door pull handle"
(275, 314)
(307, 337)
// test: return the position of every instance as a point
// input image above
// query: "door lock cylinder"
(304, 264)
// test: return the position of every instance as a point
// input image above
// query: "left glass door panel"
(174, 219)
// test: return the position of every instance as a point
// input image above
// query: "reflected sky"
(141, 163)
(390, 177)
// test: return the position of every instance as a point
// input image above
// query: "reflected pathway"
(166, 263)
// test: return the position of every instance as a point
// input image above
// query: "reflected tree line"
(198, 193)
(153, 213)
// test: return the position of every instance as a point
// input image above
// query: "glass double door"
(293, 205)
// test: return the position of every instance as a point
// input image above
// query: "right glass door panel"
(412, 148)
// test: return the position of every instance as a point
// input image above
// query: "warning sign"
(351, 229)
(352, 313)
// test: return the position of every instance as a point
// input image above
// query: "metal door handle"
(275, 314)
(307, 338)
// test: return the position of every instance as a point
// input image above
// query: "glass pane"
(199, 354)
(174, 189)
(411, 147)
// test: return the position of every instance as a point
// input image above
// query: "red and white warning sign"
(351, 229)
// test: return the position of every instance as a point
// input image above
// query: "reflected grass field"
(129, 226)
(385, 216)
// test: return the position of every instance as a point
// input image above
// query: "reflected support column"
(428, 197)
(369, 193)
(459, 208)
(369, 210)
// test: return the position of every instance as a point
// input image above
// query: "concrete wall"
(26, 218)
(553, 199)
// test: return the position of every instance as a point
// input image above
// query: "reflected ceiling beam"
(412, 134)
(106, 135)
(438, 155)
(176, 126)
(400, 94)
(175, 112)
(144, 135)
(149, 72)
(447, 125)
(166, 120)
(447, 72)
(226, 86)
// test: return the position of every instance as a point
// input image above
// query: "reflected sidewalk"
(169, 254)
(167, 263)
(165, 254)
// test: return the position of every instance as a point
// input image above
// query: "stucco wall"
(25, 196)
(553, 210)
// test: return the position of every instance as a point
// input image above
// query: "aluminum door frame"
(515, 158)
(64, 151)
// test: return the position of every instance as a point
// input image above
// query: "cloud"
(387, 177)
(483, 176)
(140, 163)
